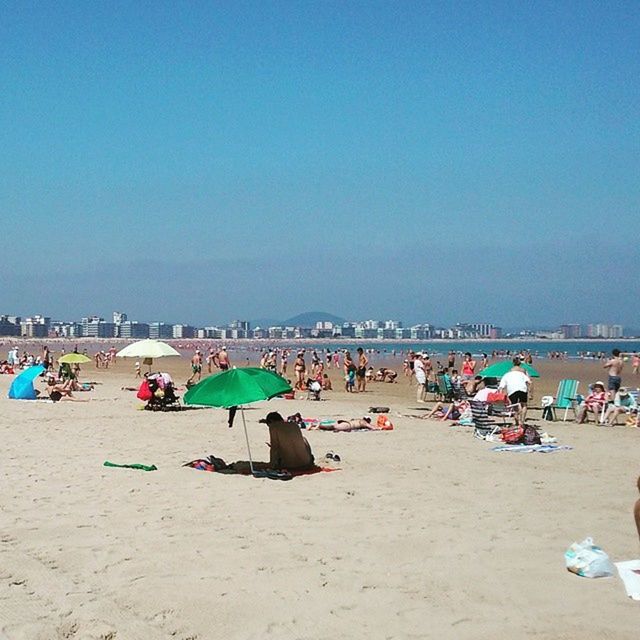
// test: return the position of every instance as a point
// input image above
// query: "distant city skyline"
(308, 325)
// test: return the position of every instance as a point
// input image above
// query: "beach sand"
(424, 532)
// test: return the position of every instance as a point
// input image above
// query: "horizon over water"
(538, 348)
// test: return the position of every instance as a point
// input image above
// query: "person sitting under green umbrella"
(289, 449)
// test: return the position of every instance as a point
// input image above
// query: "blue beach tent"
(22, 387)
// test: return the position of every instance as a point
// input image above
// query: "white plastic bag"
(587, 560)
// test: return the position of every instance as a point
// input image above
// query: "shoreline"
(268, 341)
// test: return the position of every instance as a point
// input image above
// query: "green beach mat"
(142, 467)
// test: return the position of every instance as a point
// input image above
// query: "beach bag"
(588, 560)
(530, 435)
(384, 423)
(512, 435)
(144, 392)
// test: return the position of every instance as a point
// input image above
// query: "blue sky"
(441, 161)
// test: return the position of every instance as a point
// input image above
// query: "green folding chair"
(566, 397)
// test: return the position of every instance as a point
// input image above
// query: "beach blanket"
(135, 465)
(629, 573)
(206, 465)
(532, 448)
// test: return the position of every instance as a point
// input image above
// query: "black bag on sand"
(530, 435)
(379, 409)
(547, 414)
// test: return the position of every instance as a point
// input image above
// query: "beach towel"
(141, 467)
(629, 573)
(204, 465)
(532, 448)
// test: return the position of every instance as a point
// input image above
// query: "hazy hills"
(307, 319)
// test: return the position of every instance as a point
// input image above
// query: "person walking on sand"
(196, 366)
(614, 364)
(361, 371)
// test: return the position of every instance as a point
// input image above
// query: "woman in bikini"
(299, 368)
(350, 425)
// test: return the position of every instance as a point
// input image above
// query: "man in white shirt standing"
(515, 383)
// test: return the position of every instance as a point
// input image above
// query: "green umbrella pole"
(246, 435)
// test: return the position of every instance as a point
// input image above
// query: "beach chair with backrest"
(459, 392)
(484, 424)
(445, 390)
(566, 397)
(503, 409)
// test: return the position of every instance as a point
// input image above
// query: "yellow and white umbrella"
(147, 350)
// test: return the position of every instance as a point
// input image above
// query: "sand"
(424, 532)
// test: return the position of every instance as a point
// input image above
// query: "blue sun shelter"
(22, 387)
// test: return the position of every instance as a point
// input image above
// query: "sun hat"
(623, 391)
(599, 383)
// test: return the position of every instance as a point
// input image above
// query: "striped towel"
(532, 448)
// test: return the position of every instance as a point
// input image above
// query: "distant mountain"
(310, 318)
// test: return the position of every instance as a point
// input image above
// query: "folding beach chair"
(445, 389)
(566, 398)
(503, 410)
(459, 392)
(484, 425)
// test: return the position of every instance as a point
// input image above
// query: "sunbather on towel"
(350, 425)
(61, 391)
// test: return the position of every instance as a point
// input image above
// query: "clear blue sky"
(438, 161)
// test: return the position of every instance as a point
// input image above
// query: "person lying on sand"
(350, 425)
(57, 391)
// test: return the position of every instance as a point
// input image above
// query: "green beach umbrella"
(73, 358)
(236, 387)
(498, 369)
